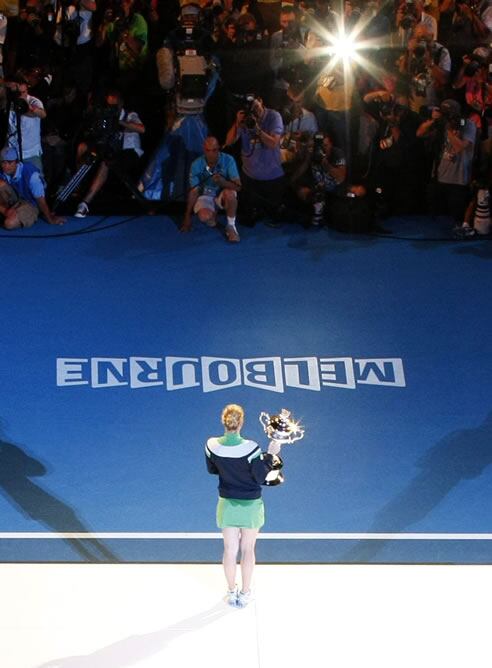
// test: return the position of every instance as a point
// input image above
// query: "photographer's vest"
(22, 185)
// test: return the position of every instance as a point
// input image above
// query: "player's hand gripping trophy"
(280, 429)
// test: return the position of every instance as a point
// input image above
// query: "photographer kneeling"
(113, 137)
(318, 173)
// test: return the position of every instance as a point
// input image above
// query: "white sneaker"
(231, 234)
(231, 597)
(82, 210)
(243, 598)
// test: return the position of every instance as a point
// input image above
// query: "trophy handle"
(264, 420)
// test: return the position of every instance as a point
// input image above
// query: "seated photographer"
(453, 144)
(214, 184)
(22, 193)
(319, 173)
(114, 140)
(260, 131)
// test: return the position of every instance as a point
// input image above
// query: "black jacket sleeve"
(261, 467)
(211, 468)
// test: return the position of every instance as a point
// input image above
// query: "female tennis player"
(242, 469)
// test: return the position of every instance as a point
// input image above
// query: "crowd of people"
(315, 106)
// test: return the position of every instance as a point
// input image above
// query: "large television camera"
(103, 132)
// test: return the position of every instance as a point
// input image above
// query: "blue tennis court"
(121, 345)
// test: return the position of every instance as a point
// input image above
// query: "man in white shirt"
(24, 129)
(129, 154)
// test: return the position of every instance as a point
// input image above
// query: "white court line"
(263, 536)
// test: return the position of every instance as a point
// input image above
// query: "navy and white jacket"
(242, 468)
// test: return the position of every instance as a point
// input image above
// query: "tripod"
(96, 155)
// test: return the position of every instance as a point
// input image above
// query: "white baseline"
(35, 535)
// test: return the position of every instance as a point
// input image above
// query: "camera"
(409, 18)
(247, 106)
(420, 74)
(318, 152)
(103, 129)
(17, 103)
(473, 66)
(420, 50)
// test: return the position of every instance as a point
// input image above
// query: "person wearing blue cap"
(22, 193)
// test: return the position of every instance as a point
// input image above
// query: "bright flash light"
(344, 48)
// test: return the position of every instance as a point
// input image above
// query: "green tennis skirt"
(242, 513)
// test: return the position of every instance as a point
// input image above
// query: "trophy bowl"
(282, 427)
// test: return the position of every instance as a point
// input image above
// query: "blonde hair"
(233, 417)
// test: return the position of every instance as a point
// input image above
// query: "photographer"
(411, 13)
(74, 37)
(286, 56)
(243, 66)
(260, 131)
(113, 139)
(24, 122)
(214, 184)
(297, 120)
(127, 33)
(474, 77)
(396, 170)
(320, 173)
(334, 88)
(22, 193)
(427, 65)
(472, 25)
(452, 142)
(30, 36)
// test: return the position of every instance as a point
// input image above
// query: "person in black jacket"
(242, 469)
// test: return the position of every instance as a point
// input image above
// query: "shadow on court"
(34, 502)
(132, 650)
(461, 455)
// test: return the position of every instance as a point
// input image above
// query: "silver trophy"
(281, 428)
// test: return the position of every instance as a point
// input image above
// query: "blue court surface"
(121, 345)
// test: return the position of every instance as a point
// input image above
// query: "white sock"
(231, 222)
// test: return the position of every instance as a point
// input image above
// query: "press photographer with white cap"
(22, 193)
